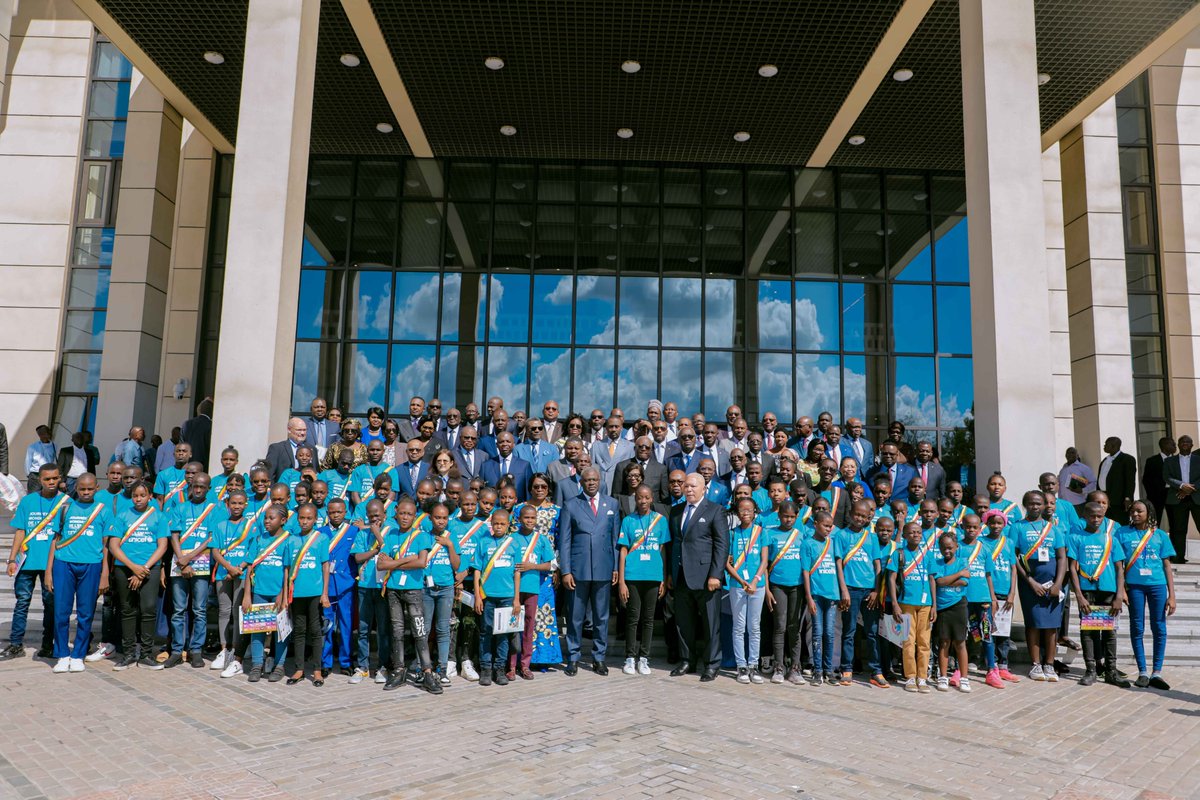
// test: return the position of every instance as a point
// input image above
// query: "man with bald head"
(698, 551)
(282, 455)
(587, 557)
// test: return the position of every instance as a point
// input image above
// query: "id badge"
(1145, 571)
(644, 557)
(746, 575)
(1043, 553)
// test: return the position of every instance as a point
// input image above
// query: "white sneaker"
(1051, 674)
(62, 665)
(234, 667)
(630, 667)
(468, 671)
(76, 665)
(103, 650)
(910, 685)
(1036, 673)
(452, 670)
(219, 661)
(964, 685)
(943, 684)
(359, 676)
(381, 675)
(643, 666)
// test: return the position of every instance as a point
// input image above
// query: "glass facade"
(78, 379)
(789, 290)
(1142, 261)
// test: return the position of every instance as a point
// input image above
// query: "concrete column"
(1056, 276)
(1014, 401)
(1096, 295)
(185, 289)
(137, 297)
(8, 9)
(1175, 121)
(266, 226)
(41, 118)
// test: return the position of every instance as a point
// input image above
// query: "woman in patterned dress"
(546, 646)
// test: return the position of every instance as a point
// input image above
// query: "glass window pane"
(950, 249)
(460, 375)
(772, 387)
(1143, 314)
(319, 310)
(374, 234)
(424, 177)
(1147, 355)
(914, 394)
(413, 372)
(956, 383)
(639, 238)
(681, 380)
(80, 373)
(378, 179)
(723, 187)
(1139, 218)
(817, 386)
(772, 309)
(416, 307)
(724, 313)
(89, 288)
(906, 193)
(94, 247)
(461, 306)
(314, 373)
(816, 315)
(816, 252)
(720, 383)
(105, 140)
(1141, 271)
(330, 177)
(769, 251)
(552, 304)
(515, 182)
(84, 330)
(326, 232)
(681, 240)
(94, 192)
(863, 318)
(909, 248)
(554, 246)
(556, 183)
(768, 188)
(1149, 397)
(593, 380)
(641, 185)
(954, 319)
(912, 319)
(110, 63)
(1148, 434)
(1135, 164)
(470, 181)
(637, 381)
(508, 303)
(512, 237)
(219, 225)
(681, 300)
(1131, 126)
(862, 245)
(599, 184)
(370, 306)
(468, 234)
(73, 414)
(681, 187)
(109, 99)
(639, 312)
(1134, 94)
(595, 309)
(550, 378)
(949, 194)
(723, 246)
(814, 188)
(866, 391)
(364, 377)
(597, 238)
(860, 191)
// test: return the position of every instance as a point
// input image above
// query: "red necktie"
(595, 507)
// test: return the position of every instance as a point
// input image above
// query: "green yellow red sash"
(824, 552)
(304, 548)
(755, 532)
(646, 533)
(136, 523)
(857, 546)
(1141, 548)
(83, 528)
(46, 520)
(1103, 563)
(487, 568)
(1037, 544)
(401, 551)
(784, 550)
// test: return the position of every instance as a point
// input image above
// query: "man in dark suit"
(505, 463)
(930, 471)
(321, 431)
(1182, 473)
(889, 465)
(757, 454)
(282, 455)
(499, 423)
(450, 427)
(699, 549)
(687, 458)
(411, 473)
(469, 458)
(77, 450)
(654, 474)
(1117, 477)
(587, 557)
(1154, 483)
(197, 431)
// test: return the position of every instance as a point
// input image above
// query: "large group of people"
(482, 545)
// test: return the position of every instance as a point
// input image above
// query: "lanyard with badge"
(1144, 570)
(646, 555)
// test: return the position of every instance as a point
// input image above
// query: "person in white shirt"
(671, 417)
(40, 452)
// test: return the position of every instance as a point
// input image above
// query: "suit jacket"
(700, 551)
(488, 445)
(629, 507)
(553, 432)
(331, 433)
(587, 543)
(405, 427)
(1121, 481)
(404, 485)
(1172, 475)
(540, 455)
(935, 487)
(279, 457)
(868, 459)
(654, 475)
(459, 459)
(434, 446)
(841, 514)
(718, 454)
(719, 492)
(1154, 480)
(565, 485)
(669, 448)
(66, 457)
(197, 432)
(3, 449)
(520, 470)
(677, 461)
(768, 463)
(443, 436)
(904, 476)
(607, 464)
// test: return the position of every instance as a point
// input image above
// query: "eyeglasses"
(597, 416)
(435, 408)
(534, 427)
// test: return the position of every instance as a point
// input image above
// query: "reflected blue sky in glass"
(506, 371)
(681, 313)
(816, 315)
(954, 319)
(310, 256)
(509, 304)
(912, 319)
(865, 391)
(371, 306)
(957, 390)
(595, 306)
(773, 381)
(549, 377)
(639, 312)
(818, 387)
(637, 381)
(718, 384)
(593, 380)
(413, 372)
(681, 378)
(950, 251)
(720, 304)
(416, 306)
(914, 396)
(458, 390)
(909, 249)
(552, 301)
(364, 376)
(312, 308)
(773, 306)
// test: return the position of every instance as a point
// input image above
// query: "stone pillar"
(1014, 402)
(1175, 122)
(137, 297)
(1096, 295)
(1056, 276)
(8, 9)
(266, 226)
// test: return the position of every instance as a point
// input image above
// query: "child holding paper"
(193, 525)
(229, 547)
(267, 562)
(495, 568)
(911, 588)
(536, 557)
(308, 595)
(1002, 554)
(951, 574)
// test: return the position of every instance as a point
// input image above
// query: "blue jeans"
(747, 619)
(823, 622)
(858, 597)
(373, 610)
(75, 588)
(23, 586)
(438, 600)
(182, 589)
(278, 652)
(1156, 597)
(493, 648)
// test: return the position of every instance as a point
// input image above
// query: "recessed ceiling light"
(611, 257)
(920, 197)
(768, 70)
(741, 136)
(431, 220)
(339, 217)
(720, 191)
(518, 185)
(384, 127)
(213, 57)
(693, 259)
(1043, 78)
(451, 255)
(350, 60)
(630, 66)
(508, 130)
(412, 183)
(314, 182)
(624, 133)
(494, 62)
(819, 193)
(524, 223)
(902, 75)
(857, 139)
(853, 264)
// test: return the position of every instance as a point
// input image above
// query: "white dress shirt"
(1106, 466)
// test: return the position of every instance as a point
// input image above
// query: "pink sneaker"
(1008, 676)
(954, 678)
(993, 679)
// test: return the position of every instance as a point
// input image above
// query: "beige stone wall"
(1056, 279)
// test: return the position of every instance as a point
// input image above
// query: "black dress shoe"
(709, 675)
(680, 670)
(599, 667)
(572, 669)
(1156, 682)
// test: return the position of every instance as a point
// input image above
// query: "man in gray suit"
(610, 451)
(467, 456)
(565, 471)
(587, 557)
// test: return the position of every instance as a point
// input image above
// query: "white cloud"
(367, 387)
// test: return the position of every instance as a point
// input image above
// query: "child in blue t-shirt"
(34, 524)
(137, 540)
(308, 595)
(826, 590)
(267, 563)
(1150, 583)
(951, 574)
(785, 568)
(494, 566)
(746, 578)
(912, 590)
(640, 576)
(372, 604)
(1097, 563)
(402, 562)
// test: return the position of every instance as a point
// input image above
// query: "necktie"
(892, 473)
(471, 461)
(595, 507)
(412, 475)
(453, 437)
(858, 449)
(687, 517)
(612, 449)
(504, 466)
(925, 473)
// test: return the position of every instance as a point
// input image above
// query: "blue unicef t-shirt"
(499, 582)
(979, 559)
(1096, 555)
(745, 551)
(143, 539)
(362, 479)
(536, 552)
(306, 555)
(403, 544)
(84, 526)
(31, 511)
(368, 571)
(915, 591)
(1147, 568)
(859, 552)
(233, 539)
(268, 575)
(820, 562)
(1002, 553)
(786, 569)
(643, 537)
(949, 595)
(439, 567)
